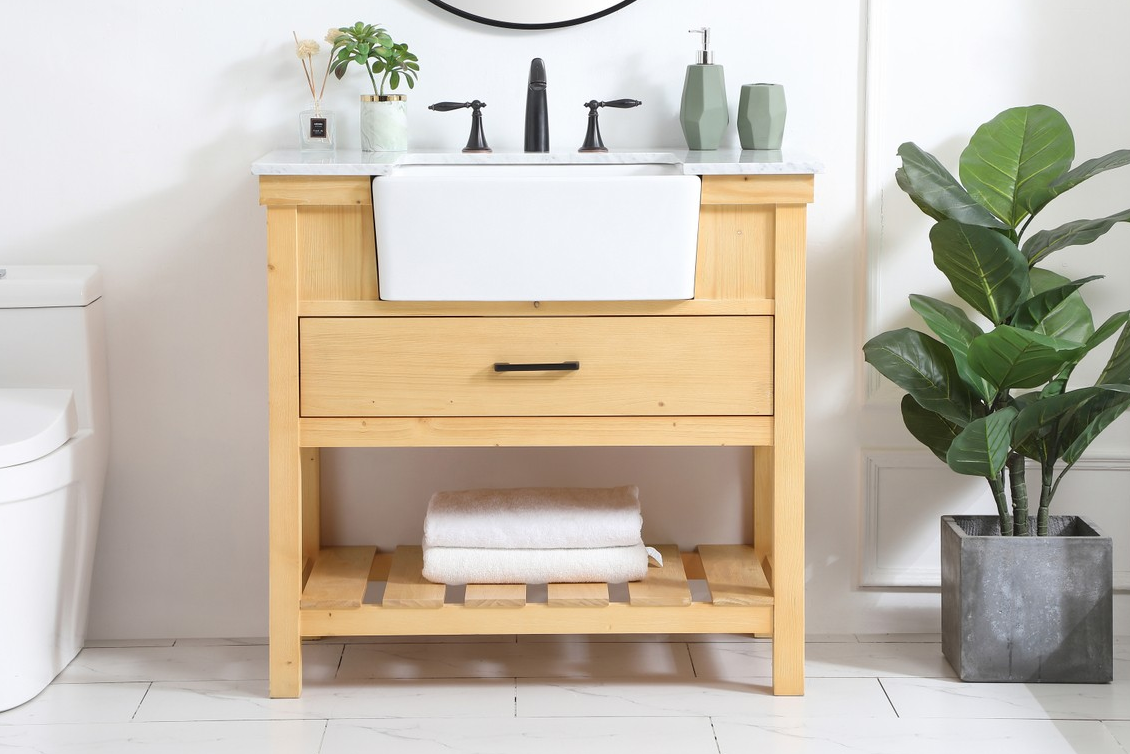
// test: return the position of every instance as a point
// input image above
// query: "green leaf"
(1059, 312)
(1117, 369)
(1104, 331)
(1075, 233)
(1013, 159)
(932, 430)
(957, 331)
(982, 447)
(1089, 420)
(984, 267)
(936, 191)
(1010, 357)
(926, 369)
(1036, 429)
(1063, 426)
(1077, 175)
(394, 79)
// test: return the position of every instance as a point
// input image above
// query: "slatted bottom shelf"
(715, 589)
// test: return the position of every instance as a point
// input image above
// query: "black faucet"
(537, 112)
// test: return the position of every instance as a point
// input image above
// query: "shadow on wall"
(185, 295)
(688, 496)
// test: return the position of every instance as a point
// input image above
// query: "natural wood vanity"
(347, 369)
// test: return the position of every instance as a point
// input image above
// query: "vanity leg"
(786, 457)
(285, 543)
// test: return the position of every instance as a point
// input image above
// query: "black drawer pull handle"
(559, 366)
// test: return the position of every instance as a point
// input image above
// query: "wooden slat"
(734, 575)
(692, 564)
(311, 481)
(294, 190)
(495, 595)
(662, 586)
(578, 595)
(757, 189)
(382, 566)
(693, 307)
(406, 585)
(551, 431)
(339, 578)
(538, 618)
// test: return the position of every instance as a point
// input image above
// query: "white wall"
(133, 149)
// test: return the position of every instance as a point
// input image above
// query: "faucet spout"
(537, 111)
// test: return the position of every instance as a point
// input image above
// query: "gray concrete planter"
(1027, 609)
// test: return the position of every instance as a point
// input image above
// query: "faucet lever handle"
(477, 141)
(593, 142)
(444, 107)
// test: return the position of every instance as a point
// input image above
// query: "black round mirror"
(523, 14)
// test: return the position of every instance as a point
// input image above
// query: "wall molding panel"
(905, 492)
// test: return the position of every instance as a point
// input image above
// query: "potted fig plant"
(991, 393)
(384, 117)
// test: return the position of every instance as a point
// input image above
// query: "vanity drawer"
(631, 366)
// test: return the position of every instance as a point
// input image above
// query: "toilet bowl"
(53, 456)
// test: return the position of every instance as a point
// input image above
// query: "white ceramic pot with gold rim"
(384, 123)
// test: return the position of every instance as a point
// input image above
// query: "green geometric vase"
(761, 116)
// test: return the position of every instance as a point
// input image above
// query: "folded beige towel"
(482, 565)
(534, 517)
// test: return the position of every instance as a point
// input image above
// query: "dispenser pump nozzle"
(705, 56)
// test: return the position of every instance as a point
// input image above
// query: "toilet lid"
(34, 422)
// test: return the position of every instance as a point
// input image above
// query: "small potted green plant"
(384, 117)
(991, 392)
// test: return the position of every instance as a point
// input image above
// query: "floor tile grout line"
(137, 709)
(714, 732)
(322, 739)
(889, 700)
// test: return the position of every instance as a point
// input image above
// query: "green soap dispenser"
(703, 113)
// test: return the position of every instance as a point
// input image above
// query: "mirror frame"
(501, 22)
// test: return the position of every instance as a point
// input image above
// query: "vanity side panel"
(337, 254)
(735, 252)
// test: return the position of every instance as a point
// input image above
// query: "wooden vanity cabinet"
(350, 370)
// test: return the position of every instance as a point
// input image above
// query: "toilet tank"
(52, 334)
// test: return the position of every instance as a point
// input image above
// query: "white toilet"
(53, 455)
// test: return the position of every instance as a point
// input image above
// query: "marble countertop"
(714, 162)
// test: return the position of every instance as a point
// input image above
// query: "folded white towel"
(534, 517)
(482, 565)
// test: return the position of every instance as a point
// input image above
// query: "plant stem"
(1018, 485)
(1046, 492)
(996, 484)
(369, 70)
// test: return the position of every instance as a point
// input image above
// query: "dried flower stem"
(309, 77)
(329, 64)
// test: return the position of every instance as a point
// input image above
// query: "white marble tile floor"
(873, 694)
